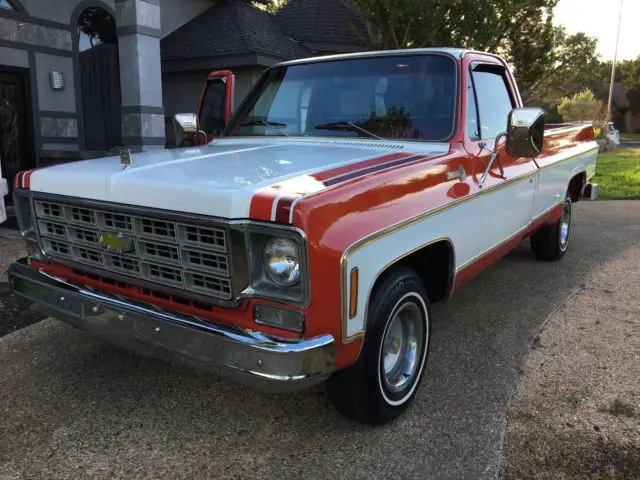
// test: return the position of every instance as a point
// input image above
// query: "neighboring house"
(235, 35)
(323, 26)
(81, 78)
(232, 35)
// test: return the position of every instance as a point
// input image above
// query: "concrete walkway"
(72, 407)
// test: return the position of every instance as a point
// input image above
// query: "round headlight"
(282, 261)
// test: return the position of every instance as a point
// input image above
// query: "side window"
(494, 102)
(473, 128)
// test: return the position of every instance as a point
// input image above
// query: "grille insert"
(190, 257)
(206, 284)
(127, 266)
(50, 229)
(162, 274)
(116, 221)
(202, 237)
(156, 229)
(54, 247)
(49, 210)
(206, 261)
(82, 235)
(93, 257)
(81, 215)
(163, 253)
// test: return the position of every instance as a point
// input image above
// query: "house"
(235, 35)
(80, 78)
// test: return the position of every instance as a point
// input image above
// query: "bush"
(582, 106)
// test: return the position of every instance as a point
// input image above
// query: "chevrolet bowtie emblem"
(116, 242)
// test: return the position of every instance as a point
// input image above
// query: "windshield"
(395, 97)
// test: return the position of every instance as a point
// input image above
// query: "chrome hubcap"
(565, 225)
(401, 347)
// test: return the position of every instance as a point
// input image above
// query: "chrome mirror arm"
(495, 155)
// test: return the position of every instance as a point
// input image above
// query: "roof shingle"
(231, 27)
(323, 22)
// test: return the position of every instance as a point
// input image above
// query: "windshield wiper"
(271, 125)
(345, 126)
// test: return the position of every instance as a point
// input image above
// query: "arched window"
(99, 78)
(96, 27)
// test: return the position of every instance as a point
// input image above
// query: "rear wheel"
(383, 382)
(551, 242)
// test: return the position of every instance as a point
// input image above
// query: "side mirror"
(187, 129)
(525, 132)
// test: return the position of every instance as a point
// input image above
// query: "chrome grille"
(181, 255)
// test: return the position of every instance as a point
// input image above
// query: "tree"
(630, 73)
(481, 25)
(271, 6)
(582, 106)
(569, 65)
(545, 59)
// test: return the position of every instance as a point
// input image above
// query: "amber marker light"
(353, 294)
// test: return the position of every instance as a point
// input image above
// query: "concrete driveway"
(72, 407)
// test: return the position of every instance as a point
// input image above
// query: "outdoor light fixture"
(56, 78)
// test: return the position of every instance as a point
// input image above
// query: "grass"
(630, 136)
(618, 174)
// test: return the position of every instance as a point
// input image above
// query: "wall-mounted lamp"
(56, 78)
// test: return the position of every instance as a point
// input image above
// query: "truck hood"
(220, 179)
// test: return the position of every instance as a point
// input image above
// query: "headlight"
(282, 261)
(277, 263)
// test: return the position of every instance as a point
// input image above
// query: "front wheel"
(383, 382)
(551, 242)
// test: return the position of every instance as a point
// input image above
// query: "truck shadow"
(116, 402)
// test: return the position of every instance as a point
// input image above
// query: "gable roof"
(233, 33)
(324, 25)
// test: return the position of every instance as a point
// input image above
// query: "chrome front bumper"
(248, 357)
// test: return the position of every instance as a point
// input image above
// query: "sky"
(599, 18)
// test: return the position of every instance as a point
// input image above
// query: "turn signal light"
(353, 293)
(279, 318)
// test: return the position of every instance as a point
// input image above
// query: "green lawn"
(630, 136)
(618, 174)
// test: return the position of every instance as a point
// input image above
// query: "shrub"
(582, 106)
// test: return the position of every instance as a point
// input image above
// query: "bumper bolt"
(95, 309)
(157, 329)
(121, 317)
(260, 363)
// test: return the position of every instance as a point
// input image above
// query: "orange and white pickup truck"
(307, 241)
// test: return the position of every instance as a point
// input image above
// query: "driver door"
(216, 103)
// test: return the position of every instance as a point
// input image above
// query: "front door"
(510, 189)
(15, 141)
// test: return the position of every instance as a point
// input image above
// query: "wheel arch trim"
(344, 280)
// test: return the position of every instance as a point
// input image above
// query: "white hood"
(218, 180)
